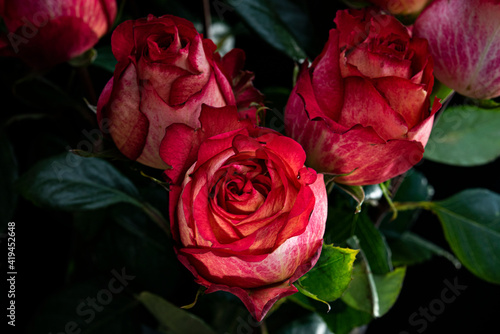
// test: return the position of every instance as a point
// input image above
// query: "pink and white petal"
(374, 65)
(179, 147)
(327, 80)
(364, 105)
(372, 163)
(127, 124)
(258, 301)
(302, 103)
(465, 55)
(408, 99)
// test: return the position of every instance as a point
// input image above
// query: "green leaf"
(105, 59)
(414, 188)
(388, 288)
(265, 20)
(174, 318)
(341, 221)
(311, 323)
(408, 249)
(9, 172)
(128, 239)
(342, 319)
(355, 192)
(331, 275)
(374, 245)
(373, 294)
(471, 224)
(70, 182)
(465, 136)
(441, 91)
(88, 307)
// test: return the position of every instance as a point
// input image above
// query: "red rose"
(361, 109)
(45, 33)
(249, 218)
(165, 72)
(465, 44)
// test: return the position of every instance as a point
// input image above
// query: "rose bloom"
(44, 33)
(402, 7)
(248, 217)
(165, 72)
(466, 55)
(361, 110)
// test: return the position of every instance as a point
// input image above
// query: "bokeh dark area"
(50, 254)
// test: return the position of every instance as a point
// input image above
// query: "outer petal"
(45, 33)
(128, 126)
(466, 54)
(49, 47)
(326, 78)
(303, 95)
(258, 301)
(359, 152)
(179, 147)
(408, 99)
(97, 14)
(364, 105)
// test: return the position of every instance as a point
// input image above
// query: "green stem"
(263, 328)
(402, 206)
(388, 198)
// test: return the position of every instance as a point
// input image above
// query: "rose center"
(392, 47)
(165, 42)
(243, 188)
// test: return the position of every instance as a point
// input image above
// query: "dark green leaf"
(465, 136)
(70, 182)
(264, 19)
(8, 170)
(342, 319)
(295, 17)
(409, 248)
(355, 192)
(373, 244)
(105, 59)
(340, 222)
(357, 3)
(89, 308)
(388, 288)
(374, 294)
(172, 317)
(331, 275)
(130, 240)
(311, 323)
(414, 188)
(471, 224)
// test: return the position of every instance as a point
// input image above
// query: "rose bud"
(249, 217)
(465, 44)
(361, 110)
(46, 33)
(249, 100)
(165, 72)
(402, 7)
